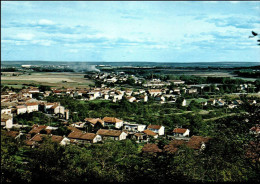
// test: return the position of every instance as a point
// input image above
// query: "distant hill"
(226, 64)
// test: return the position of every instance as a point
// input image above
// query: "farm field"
(46, 78)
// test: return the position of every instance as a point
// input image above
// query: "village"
(97, 129)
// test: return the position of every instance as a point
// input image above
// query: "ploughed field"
(46, 78)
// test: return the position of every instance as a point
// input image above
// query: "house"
(82, 137)
(6, 111)
(38, 128)
(21, 109)
(140, 137)
(237, 102)
(159, 98)
(143, 98)
(176, 82)
(184, 103)
(38, 138)
(13, 134)
(108, 121)
(255, 129)
(6, 120)
(57, 109)
(112, 134)
(150, 133)
(31, 107)
(94, 121)
(198, 142)
(191, 91)
(181, 132)
(134, 127)
(155, 92)
(130, 98)
(211, 101)
(220, 102)
(156, 129)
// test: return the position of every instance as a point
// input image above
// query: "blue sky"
(130, 31)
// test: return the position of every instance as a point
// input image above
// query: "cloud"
(241, 22)
(45, 22)
(73, 50)
(25, 36)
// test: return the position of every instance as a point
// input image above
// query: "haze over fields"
(130, 31)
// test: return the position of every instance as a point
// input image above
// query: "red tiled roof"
(11, 133)
(179, 130)
(32, 104)
(154, 127)
(37, 128)
(94, 120)
(113, 133)
(149, 132)
(111, 120)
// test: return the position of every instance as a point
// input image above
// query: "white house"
(156, 129)
(112, 134)
(181, 132)
(7, 120)
(184, 103)
(130, 98)
(113, 121)
(155, 92)
(6, 111)
(21, 109)
(134, 127)
(82, 137)
(31, 107)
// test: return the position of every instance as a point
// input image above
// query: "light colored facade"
(32, 107)
(134, 127)
(7, 120)
(6, 111)
(21, 109)
(156, 129)
(59, 110)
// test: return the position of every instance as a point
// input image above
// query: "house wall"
(122, 136)
(97, 139)
(141, 128)
(161, 131)
(6, 111)
(59, 109)
(8, 123)
(119, 124)
(65, 141)
(32, 108)
(21, 110)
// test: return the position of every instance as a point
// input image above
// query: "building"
(82, 137)
(31, 107)
(156, 129)
(112, 134)
(181, 132)
(108, 121)
(6, 120)
(21, 109)
(133, 127)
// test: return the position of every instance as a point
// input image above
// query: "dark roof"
(179, 130)
(113, 133)
(149, 132)
(154, 126)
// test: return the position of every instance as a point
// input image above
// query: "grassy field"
(47, 78)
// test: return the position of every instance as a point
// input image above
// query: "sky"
(155, 31)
